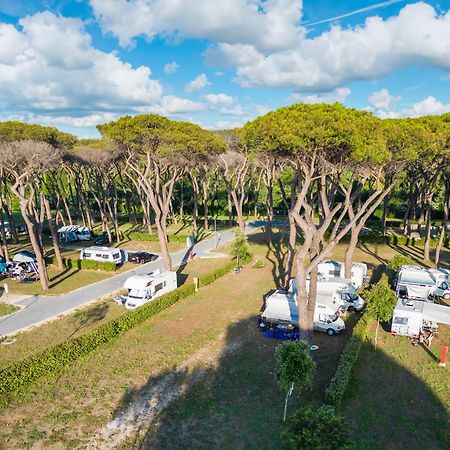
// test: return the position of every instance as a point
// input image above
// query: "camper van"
(145, 288)
(411, 317)
(342, 291)
(281, 308)
(420, 283)
(335, 269)
(73, 233)
(104, 254)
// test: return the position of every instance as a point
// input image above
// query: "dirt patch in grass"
(398, 397)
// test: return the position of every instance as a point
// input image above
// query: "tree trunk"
(205, 205)
(164, 245)
(444, 222)
(3, 232)
(304, 321)
(54, 233)
(426, 248)
(12, 223)
(350, 251)
(69, 215)
(43, 277)
(182, 202)
(230, 211)
(292, 243)
(269, 208)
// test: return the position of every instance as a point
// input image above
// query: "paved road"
(40, 308)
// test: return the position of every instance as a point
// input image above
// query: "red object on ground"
(443, 355)
(191, 255)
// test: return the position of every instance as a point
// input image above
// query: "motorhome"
(342, 291)
(336, 269)
(420, 283)
(145, 288)
(282, 308)
(412, 317)
(104, 254)
(73, 233)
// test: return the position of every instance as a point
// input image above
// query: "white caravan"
(104, 254)
(335, 269)
(282, 308)
(411, 317)
(144, 288)
(419, 283)
(73, 233)
(341, 291)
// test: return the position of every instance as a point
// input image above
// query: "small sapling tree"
(381, 301)
(294, 368)
(239, 247)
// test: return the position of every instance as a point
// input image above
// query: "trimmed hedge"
(86, 264)
(53, 359)
(336, 389)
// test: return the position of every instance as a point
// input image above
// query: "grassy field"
(6, 308)
(84, 319)
(198, 375)
(399, 397)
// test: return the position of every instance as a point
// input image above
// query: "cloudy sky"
(76, 63)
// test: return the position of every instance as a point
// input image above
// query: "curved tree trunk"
(350, 251)
(426, 248)
(53, 232)
(444, 222)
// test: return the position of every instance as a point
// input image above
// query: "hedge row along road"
(39, 309)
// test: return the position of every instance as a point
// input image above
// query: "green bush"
(83, 264)
(317, 429)
(400, 260)
(53, 359)
(335, 391)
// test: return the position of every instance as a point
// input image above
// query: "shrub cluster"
(317, 428)
(69, 263)
(53, 359)
(335, 391)
(400, 260)
(405, 240)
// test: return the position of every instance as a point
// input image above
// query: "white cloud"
(235, 111)
(336, 95)
(87, 121)
(170, 105)
(199, 82)
(418, 35)
(218, 99)
(428, 107)
(382, 99)
(227, 125)
(262, 110)
(269, 24)
(48, 63)
(171, 68)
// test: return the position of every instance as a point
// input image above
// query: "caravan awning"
(418, 291)
(436, 313)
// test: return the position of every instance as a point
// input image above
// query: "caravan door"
(443, 290)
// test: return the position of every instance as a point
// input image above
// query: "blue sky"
(74, 64)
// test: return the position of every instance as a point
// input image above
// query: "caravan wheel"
(446, 296)
(330, 332)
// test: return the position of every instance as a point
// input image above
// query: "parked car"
(141, 257)
(102, 239)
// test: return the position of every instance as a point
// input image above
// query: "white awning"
(436, 313)
(418, 291)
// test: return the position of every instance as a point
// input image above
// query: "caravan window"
(158, 287)
(116, 255)
(323, 318)
(105, 256)
(401, 320)
(86, 255)
(443, 286)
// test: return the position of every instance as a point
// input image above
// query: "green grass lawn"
(207, 356)
(399, 397)
(6, 308)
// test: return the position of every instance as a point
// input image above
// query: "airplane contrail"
(356, 11)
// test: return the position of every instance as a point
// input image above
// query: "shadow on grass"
(88, 316)
(60, 278)
(223, 396)
(389, 406)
